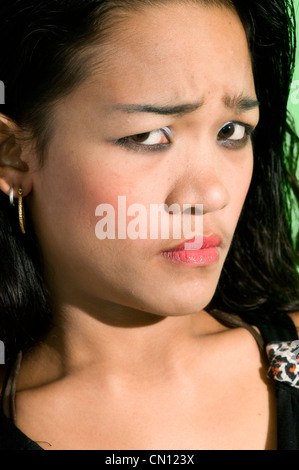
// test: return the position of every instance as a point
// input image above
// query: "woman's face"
(181, 75)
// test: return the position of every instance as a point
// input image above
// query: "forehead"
(177, 51)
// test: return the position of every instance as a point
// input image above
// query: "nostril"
(193, 209)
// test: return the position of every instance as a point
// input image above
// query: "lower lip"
(202, 257)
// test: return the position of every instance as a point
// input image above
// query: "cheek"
(238, 181)
(69, 198)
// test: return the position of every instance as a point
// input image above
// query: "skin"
(134, 361)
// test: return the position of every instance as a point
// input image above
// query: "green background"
(294, 101)
(294, 96)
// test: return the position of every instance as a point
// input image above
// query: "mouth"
(200, 251)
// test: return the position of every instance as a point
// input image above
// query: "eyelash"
(237, 143)
(134, 146)
(128, 144)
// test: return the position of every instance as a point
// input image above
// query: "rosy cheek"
(107, 203)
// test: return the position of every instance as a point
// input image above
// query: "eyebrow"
(179, 110)
(238, 104)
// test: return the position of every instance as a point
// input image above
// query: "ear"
(14, 170)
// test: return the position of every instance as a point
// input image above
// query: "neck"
(148, 345)
(120, 342)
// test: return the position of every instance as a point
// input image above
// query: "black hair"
(260, 276)
(45, 54)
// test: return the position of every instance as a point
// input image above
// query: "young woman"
(123, 342)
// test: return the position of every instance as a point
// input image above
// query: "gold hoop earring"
(21, 212)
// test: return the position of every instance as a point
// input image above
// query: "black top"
(11, 438)
(282, 349)
(281, 346)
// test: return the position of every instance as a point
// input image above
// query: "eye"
(151, 138)
(234, 134)
(148, 141)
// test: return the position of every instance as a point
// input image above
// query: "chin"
(181, 305)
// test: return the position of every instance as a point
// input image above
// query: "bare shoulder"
(295, 318)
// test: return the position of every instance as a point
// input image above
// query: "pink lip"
(205, 255)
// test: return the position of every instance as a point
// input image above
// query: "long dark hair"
(260, 277)
(43, 56)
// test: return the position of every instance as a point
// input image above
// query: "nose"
(199, 182)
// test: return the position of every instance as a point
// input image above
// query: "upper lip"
(211, 241)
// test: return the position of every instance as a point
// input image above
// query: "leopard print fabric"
(284, 362)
